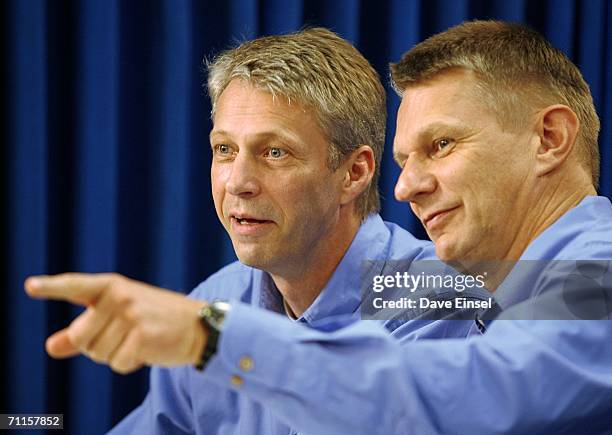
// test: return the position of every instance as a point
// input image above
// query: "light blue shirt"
(521, 376)
(182, 400)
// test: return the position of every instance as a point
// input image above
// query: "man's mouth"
(250, 221)
(249, 225)
(437, 218)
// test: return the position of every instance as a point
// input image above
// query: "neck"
(301, 284)
(493, 272)
(545, 206)
(548, 204)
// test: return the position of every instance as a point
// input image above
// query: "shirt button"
(236, 380)
(246, 364)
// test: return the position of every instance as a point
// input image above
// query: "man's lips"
(437, 218)
(248, 219)
(249, 225)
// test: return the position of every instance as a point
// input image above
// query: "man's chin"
(447, 250)
(250, 260)
(256, 259)
(461, 258)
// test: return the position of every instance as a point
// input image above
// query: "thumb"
(59, 345)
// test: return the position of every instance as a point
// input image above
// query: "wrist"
(212, 317)
(200, 338)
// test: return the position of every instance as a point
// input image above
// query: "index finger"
(78, 288)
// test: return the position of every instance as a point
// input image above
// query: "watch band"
(212, 317)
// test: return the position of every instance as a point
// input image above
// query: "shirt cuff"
(254, 350)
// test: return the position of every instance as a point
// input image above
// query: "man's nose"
(414, 181)
(243, 179)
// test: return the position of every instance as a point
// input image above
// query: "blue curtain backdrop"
(106, 158)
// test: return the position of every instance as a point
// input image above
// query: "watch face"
(218, 310)
(222, 306)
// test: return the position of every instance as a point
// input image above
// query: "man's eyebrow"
(281, 134)
(441, 127)
(221, 133)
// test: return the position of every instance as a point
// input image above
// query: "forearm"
(360, 380)
(316, 382)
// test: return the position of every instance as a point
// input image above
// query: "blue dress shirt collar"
(342, 293)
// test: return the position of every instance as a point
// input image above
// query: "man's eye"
(276, 153)
(222, 149)
(443, 144)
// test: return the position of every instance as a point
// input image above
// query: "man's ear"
(358, 171)
(557, 128)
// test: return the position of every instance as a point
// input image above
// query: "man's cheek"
(218, 202)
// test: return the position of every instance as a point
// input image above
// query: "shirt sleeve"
(521, 376)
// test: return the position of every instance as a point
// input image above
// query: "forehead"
(449, 100)
(245, 113)
(442, 94)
